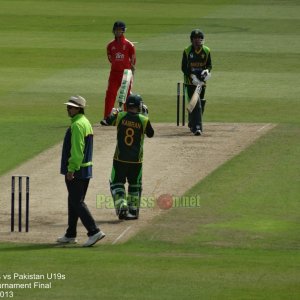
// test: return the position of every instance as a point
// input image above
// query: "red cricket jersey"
(121, 54)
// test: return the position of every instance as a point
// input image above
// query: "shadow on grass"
(9, 247)
(24, 247)
(109, 221)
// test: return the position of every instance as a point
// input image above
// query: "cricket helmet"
(119, 24)
(134, 100)
(197, 33)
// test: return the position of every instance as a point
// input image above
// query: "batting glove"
(114, 111)
(195, 80)
(205, 75)
(145, 110)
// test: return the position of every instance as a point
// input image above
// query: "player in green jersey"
(132, 125)
(196, 65)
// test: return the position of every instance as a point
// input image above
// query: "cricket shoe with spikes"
(122, 210)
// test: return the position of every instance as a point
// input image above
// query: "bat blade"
(191, 105)
(123, 90)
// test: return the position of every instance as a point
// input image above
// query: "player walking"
(132, 125)
(196, 66)
(121, 55)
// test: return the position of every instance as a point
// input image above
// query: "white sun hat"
(76, 101)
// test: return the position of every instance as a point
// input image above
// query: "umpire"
(76, 165)
(196, 66)
(132, 125)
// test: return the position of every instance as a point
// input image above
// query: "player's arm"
(208, 62)
(132, 58)
(108, 53)
(149, 130)
(206, 73)
(77, 149)
(186, 70)
(112, 118)
(184, 64)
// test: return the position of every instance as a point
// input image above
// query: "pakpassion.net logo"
(164, 201)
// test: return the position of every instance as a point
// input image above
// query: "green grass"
(249, 202)
(158, 271)
(243, 242)
(57, 48)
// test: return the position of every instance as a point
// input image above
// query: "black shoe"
(197, 132)
(131, 216)
(122, 215)
(122, 211)
(104, 122)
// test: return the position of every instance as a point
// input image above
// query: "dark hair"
(81, 111)
(119, 24)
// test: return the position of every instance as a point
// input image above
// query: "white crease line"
(262, 128)
(121, 235)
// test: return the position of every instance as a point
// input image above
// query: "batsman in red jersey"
(121, 55)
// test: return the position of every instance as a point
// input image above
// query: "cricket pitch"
(174, 161)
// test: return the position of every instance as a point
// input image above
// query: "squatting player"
(121, 55)
(196, 66)
(132, 125)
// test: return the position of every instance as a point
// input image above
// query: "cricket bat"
(191, 105)
(125, 84)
